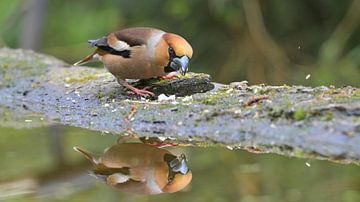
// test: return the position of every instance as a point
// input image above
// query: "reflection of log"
(321, 122)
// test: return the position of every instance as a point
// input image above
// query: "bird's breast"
(151, 183)
(139, 66)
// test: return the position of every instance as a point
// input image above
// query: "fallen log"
(311, 122)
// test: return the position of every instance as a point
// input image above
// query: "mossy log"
(320, 122)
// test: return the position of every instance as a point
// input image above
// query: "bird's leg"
(157, 142)
(142, 92)
(128, 135)
(170, 75)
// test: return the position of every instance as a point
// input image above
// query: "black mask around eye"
(176, 165)
(178, 63)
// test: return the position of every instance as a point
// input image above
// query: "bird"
(140, 168)
(141, 53)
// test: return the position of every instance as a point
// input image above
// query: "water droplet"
(237, 111)
(229, 147)
(206, 111)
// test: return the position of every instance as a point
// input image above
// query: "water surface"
(41, 165)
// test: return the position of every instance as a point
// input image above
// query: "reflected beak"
(180, 64)
(179, 164)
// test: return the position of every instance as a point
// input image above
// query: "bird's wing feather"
(117, 178)
(138, 174)
(134, 173)
(124, 39)
(111, 45)
(120, 42)
(133, 36)
(117, 44)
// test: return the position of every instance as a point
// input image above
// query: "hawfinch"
(140, 168)
(141, 53)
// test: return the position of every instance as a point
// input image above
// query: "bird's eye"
(171, 51)
(171, 177)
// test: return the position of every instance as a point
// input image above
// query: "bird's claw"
(170, 75)
(142, 92)
(156, 142)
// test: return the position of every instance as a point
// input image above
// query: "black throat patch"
(168, 69)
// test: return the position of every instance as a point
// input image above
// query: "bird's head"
(179, 52)
(179, 175)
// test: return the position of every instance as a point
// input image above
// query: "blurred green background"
(272, 41)
(268, 41)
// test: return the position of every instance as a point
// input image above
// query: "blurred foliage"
(272, 42)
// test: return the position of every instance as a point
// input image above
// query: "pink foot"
(156, 142)
(142, 92)
(170, 75)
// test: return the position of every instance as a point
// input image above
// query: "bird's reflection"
(140, 168)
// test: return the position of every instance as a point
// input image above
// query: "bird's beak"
(179, 164)
(180, 64)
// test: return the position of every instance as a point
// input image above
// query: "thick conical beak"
(180, 64)
(179, 164)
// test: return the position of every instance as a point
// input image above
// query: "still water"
(41, 165)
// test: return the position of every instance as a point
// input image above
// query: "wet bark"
(312, 122)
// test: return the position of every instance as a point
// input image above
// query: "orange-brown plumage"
(179, 44)
(141, 53)
(140, 168)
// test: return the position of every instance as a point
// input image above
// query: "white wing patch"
(120, 46)
(117, 178)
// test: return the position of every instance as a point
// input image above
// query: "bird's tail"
(92, 43)
(87, 155)
(86, 59)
